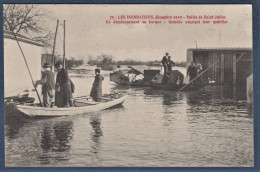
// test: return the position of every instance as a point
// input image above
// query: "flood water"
(153, 128)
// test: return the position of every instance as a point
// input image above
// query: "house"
(229, 66)
(16, 75)
(47, 58)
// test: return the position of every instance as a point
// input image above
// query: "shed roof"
(221, 49)
(21, 38)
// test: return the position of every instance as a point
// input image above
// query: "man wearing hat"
(96, 91)
(165, 63)
(47, 83)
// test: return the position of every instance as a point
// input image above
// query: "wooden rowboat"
(82, 106)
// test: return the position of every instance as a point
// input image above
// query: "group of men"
(64, 87)
(167, 63)
(192, 71)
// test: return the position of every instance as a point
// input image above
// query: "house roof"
(21, 38)
(221, 49)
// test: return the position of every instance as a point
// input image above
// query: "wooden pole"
(196, 44)
(27, 66)
(63, 64)
(53, 50)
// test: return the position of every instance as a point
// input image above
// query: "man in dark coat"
(192, 71)
(63, 92)
(165, 63)
(47, 83)
(170, 64)
(96, 91)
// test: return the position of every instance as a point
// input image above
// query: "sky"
(87, 33)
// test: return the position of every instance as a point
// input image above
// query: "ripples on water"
(209, 127)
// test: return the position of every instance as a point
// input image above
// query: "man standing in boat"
(63, 91)
(96, 91)
(47, 83)
(170, 63)
(192, 71)
(165, 68)
(165, 63)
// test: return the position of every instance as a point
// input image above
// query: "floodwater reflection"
(154, 128)
(96, 134)
(14, 121)
(55, 137)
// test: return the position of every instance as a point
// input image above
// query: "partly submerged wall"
(225, 65)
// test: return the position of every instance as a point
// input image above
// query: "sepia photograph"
(128, 85)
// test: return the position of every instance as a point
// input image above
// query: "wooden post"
(63, 64)
(53, 50)
(234, 68)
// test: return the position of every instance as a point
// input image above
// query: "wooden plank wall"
(234, 68)
(222, 58)
(244, 67)
(217, 58)
(222, 72)
(228, 68)
(225, 71)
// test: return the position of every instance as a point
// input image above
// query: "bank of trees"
(69, 63)
(106, 62)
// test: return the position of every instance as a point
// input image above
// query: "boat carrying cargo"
(173, 81)
(131, 77)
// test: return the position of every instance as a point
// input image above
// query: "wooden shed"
(225, 65)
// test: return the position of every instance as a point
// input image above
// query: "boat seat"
(105, 98)
(86, 102)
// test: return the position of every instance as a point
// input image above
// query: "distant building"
(16, 76)
(229, 65)
(47, 58)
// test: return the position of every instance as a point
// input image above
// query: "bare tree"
(105, 59)
(28, 20)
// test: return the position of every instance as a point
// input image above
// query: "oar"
(206, 70)
(26, 65)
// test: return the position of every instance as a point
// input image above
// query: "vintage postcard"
(128, 85)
